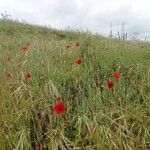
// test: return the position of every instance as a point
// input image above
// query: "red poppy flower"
(79, 62)
(58, 98)
(24, 49)
(59, 108)
(116, 75)
(27, 75)
(110, 84)
(77, 44)
(68, 46)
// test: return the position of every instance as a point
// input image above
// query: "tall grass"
(97, 118)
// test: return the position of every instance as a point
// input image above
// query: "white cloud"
(96, 15)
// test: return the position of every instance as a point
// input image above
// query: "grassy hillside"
(41, 67)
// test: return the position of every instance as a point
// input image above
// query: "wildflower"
(58, 98)
(68, 46)
(79, 62)
(59, 108)
(116, 75)
(77, 44)
(110, 84)
(27, 75)
(24, 49)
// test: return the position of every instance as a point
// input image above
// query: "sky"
(93, 15)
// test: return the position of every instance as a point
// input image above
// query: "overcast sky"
(94, 15)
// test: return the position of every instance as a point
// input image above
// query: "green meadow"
(36, 68)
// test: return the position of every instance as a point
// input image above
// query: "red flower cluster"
(59, 108)
(110, 83)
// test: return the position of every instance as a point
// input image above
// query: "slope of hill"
(102, 87)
